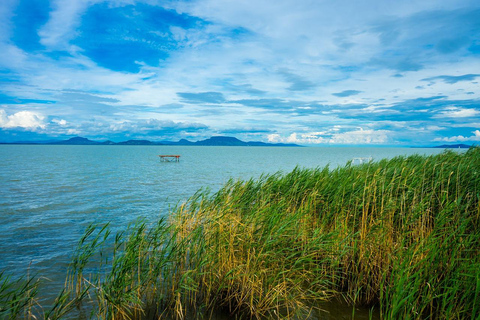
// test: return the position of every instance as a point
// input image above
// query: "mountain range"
(213, 141)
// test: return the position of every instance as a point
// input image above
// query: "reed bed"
(399, 235)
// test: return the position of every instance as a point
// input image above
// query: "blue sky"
(374, 72)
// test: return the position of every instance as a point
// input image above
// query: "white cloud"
(73, 132)
(273, 138)
(360, 136)
(435, 128)
(22, 119)
(61, 122)
(456, 112)
(63, 19)
(460, 138)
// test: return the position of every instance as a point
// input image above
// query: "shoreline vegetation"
(399, 236)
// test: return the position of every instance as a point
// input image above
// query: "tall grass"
(399, 235)
(17, 297)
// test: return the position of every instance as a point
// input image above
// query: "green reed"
(17, 297)
(399, 235)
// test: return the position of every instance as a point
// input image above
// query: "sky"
(344, 72)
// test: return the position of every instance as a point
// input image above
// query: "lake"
(49, 194)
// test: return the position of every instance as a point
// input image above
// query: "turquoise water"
(49, 194)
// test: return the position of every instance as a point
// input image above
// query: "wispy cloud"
(63, 19)
(346, 93)
(453, 79)
(202, 97)
(297, 83)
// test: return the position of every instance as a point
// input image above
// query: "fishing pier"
(169, 157)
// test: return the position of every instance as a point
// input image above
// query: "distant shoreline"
(219, 141)
(213, 141)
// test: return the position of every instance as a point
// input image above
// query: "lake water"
(49, 194)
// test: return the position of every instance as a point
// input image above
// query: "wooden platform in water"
(169, 157)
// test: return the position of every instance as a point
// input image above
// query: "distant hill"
(454, 146)
(230, 141)
(213, 141)
(86, 142)
(181, 142)
(76, 141)
(138, 143)
(221, 141)
(185, 142)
